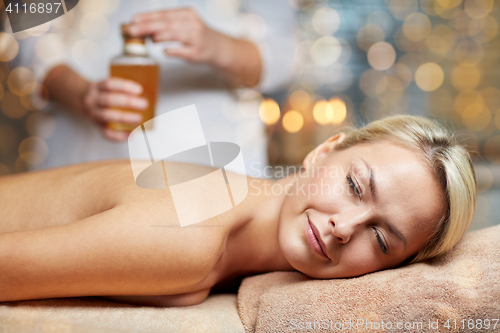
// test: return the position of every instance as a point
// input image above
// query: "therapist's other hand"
(199, 42)
(104, 99)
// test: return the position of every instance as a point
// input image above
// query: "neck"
(253, 247)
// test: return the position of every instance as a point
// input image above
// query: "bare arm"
(112, 253)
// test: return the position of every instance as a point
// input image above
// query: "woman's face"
(367, 208)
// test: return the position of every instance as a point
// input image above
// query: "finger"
(147, 28)
(169, 14)
(178, 31)
(122, 101)
(119, 84)
(115, 135)
(186, 53)
(117, 116)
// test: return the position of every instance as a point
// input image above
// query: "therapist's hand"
(236, 58)
(199, 42)
(103, 100)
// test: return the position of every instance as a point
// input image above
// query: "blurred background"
(355, 61)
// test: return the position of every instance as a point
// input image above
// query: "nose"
(344, 227)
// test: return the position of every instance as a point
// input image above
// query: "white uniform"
(88, 37)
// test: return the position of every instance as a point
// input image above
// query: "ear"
(323, 149)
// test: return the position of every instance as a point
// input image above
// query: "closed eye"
(353, 186)
(380, 242)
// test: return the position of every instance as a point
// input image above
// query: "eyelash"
(358, 194)
(381, 243)
(353, 186)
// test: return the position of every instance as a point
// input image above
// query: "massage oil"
(136, 65)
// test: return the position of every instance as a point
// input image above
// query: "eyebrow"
(373, 191)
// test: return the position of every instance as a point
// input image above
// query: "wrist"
(223, 50)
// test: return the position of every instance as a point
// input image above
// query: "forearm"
(237, 59)
(65, 87)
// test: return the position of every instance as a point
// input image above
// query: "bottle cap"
(125, 27)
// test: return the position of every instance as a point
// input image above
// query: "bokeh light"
(402, 8)
(292, 121)
(476, 116)
(269, 111)
(33, 150)
(325, 50)
(21, 81)
(381, 56)
(326, 21)
(429, 76)
(8, 47)
(416, 27)
(478, 8)
(339, 110)
(323, 112)
(465, 77)
(300, 100)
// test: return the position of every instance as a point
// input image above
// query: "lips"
(314, 240)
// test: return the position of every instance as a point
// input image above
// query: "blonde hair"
(450, 163)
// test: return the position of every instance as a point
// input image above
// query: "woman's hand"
(103, 100)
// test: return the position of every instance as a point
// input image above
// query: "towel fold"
(459, 292)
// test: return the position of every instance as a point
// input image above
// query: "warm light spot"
(11, 106)
(368, 35)
(269, 111)
(476, 116)
(33, 150)
(381, 56)
(325, 51)
(21, 81)
(400, 9)
(299, 100)
(416, 27)
(449, 3)
(326, 21)
(465, 98)
(483, 30)
(293, 121)
(8, 47)
(465, 77)
(429, 76)
(339, 110)
(441, 40)
(323, 112)
(478, 8)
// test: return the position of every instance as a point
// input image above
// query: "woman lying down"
(402, 191)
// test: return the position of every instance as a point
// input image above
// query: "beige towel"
(91, 315)
(462, 289)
